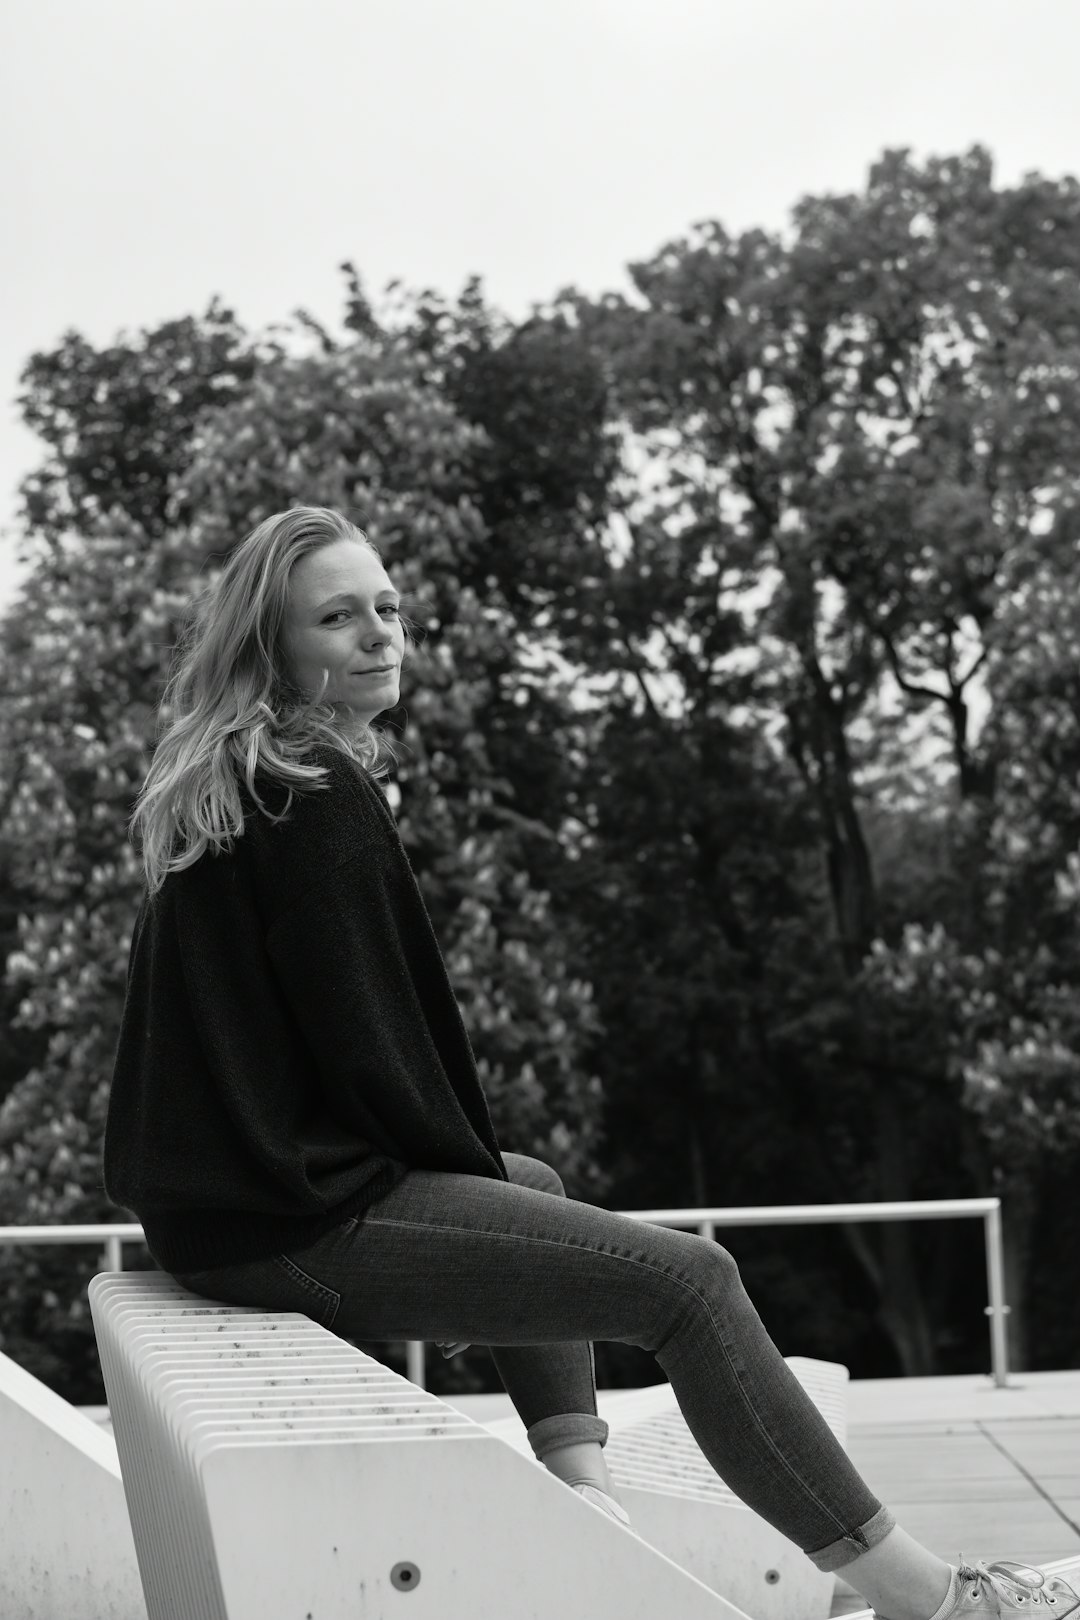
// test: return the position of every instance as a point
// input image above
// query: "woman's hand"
(451, 1349)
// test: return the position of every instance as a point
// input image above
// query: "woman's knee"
(527, 1171)
(696, 1285)
(724, 1258)
(552, 1180)
(716, 1264)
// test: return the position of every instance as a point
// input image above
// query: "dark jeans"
(537, 1276)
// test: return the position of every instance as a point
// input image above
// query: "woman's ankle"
(902, 1579)
(582, 1463)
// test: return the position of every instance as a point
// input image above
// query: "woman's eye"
(387, 607)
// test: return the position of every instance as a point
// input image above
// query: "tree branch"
(636, 671)
(911, 687)
(526, 823)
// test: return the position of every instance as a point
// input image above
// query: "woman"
(297, 1120)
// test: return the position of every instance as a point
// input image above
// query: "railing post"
(414, 1361)
(997, 1310)
(114, 1254)
(707, 1229)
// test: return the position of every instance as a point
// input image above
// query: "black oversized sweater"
(290, 1044)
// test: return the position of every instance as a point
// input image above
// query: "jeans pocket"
(318, 1300)
(275, 1284)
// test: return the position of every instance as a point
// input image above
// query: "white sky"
(156, 152)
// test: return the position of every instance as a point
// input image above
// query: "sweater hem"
(203, 1240)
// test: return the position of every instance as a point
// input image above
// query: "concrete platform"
(969, 1468)
(965, 1466)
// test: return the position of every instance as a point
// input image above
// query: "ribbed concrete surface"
(965, 1466)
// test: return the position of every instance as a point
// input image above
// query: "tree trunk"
(697, 1170)
(1019, 1207)
(888, 1259)
(903, 1305)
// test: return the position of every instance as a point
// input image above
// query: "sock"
(950, 1596)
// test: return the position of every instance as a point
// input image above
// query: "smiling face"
(342, 616)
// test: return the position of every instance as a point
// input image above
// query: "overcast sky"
(156, 152)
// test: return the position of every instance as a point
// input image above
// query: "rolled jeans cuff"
(848, 1548)
(566, 1429)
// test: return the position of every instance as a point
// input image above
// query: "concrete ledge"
(66, 1548)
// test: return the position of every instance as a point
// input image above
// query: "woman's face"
(342, 615)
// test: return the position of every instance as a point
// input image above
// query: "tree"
(358, 429)
(119, 420)
(673, 560)
(874, 414)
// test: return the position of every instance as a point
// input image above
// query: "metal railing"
(114, 1236)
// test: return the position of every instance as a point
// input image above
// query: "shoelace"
(1001, 1582)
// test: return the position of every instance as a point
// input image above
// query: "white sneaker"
(1004, 1588)
(601, 1499)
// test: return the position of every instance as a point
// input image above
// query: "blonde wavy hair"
(233, 708)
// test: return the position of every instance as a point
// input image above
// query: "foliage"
(880, 418)
(355, 430)
(738, 905)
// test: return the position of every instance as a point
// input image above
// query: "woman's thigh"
(451, 1256)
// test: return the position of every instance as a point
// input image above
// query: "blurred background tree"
(356, 429)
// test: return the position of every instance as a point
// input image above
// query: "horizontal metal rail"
(706, 1220)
